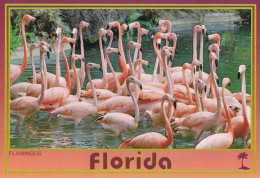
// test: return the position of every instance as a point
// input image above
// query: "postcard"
(129, 89)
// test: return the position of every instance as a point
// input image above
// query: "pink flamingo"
(78, 110)
(56, 95)
(120, 122)
(81, 71)
(17, 70)
(25, 106)
(220, 140)
(200, 121)
(153, 139)
(215, 37)
(241, 124)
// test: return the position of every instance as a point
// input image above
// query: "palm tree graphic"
(243, 156)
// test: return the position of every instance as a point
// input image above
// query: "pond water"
(37, 132)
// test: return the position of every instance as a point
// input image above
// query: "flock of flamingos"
(183, 98)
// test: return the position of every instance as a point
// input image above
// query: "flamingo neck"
(243, 93)
(122, 61)
(139, 38)
(114, 75)
(76, 78)
(42, 61)
(68, 85)
(58, 70)
(194, 44)
(217, 114)
(103, 62)
(81, 43)
(92, 86)
(25, 56)
(230, 128)
(137, 114)
(187, 86)
(167, 127)
(34, 81)
(197, 97)
(201, 55)
(170, 88)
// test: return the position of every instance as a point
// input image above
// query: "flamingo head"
(58, 32)
(33, 46)
(197, 28)
(162, 30)
(110, 33)
(204, 30)
(132, 79)
(113, 24)
(160, 35)
(74, 33)
(134, 25)
(102, 32)
(75, 57)
(166, 51)
(202, 87)
(213, 57)
(83, 24)
(44, 49)
(28, 17)
(225, 82)
(91, 65)
(124, 27)
(241, 69)
(132, 44)
(67, 40)
(196, 62)
(112, 50)
(168, 97)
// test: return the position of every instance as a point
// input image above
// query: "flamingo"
(25, 106)
(220, 140)
(241, 124)
(99, 95)
(26, 88)
(78, 110)
(56, 95)
(17, 70)
(153, 139)
(216, 37)
(58, 81)
(81, 71)
(118, 122)
(200, 121)
(102, 83)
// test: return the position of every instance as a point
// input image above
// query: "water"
(37, 132)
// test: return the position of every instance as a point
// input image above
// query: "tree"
(243, 156)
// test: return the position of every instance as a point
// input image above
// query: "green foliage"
(245, 14)
(133, 16)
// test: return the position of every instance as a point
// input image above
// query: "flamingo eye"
(50, 104)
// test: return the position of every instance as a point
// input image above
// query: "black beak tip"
(171, 58)
(148, 66)
(119, 53)
(141, 87)
(141, 49)
(127, 29)
(201, 67)
(207, 39)
(157, 23)
(107, 26)
(100, 69)
(50, 49)
(229, 84)
(71, 35)
(175, 104)
(205, 89)
(159, 46)
(203, 31)
(216, 63)
(48, 55)
(238, 75)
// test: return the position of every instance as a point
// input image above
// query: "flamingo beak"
(100, 69)
(217, 81)
(205, 89)
(216, 63)
(171, 58)
(127, 29)
(203, 32)
(141, 87)
(83, 59)
(149, 34)
(176, 51)
(148, 66)
(107, 26)
(48, 54)
(207, 39)
(157, 23)
(50, 49)
(119, 53)
(159, 46)
(167, 32)
(56, 36)
(141, 50)
(71, 35)
(201, 67)
(238, 75)
(229, 84)
(175, 104)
